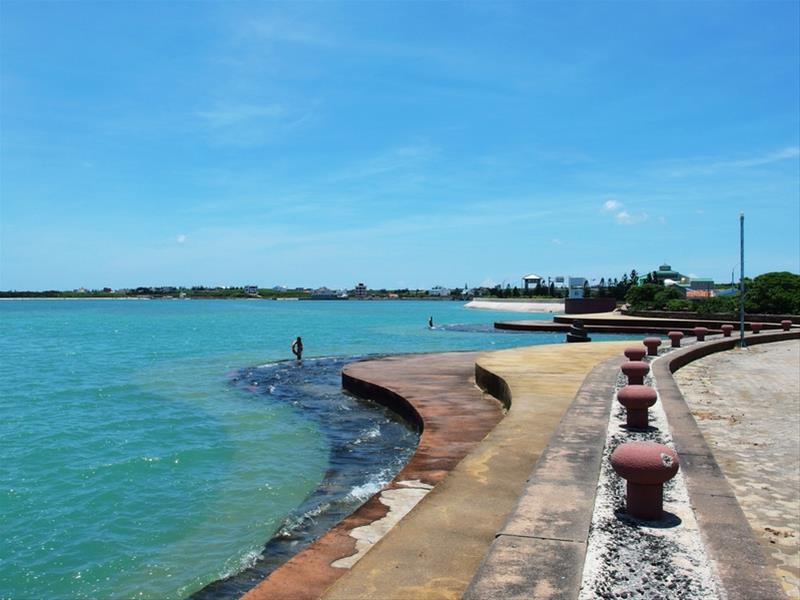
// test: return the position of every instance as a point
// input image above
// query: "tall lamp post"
(741, 281)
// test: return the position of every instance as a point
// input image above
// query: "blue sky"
(396, 143)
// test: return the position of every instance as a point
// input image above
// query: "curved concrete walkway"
(436, 549)
(747, 405)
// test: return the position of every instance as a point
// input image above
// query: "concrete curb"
(727, 534)
(539, 552)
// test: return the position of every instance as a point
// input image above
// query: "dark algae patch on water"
(368, 446)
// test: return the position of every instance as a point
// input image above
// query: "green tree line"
(771, 293)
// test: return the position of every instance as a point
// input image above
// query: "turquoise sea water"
(133, 467)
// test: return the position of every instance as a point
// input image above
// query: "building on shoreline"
(324, 293)
(531, 281)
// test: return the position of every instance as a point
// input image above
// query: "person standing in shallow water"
(297, 348)
(430, 323)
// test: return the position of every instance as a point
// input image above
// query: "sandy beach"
(513, 306)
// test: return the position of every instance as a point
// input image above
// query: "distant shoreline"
(88, 298)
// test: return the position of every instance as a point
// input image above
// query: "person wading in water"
(297, 348)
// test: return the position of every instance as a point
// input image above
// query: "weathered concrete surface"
(539, 552)
(435, 551)
(747, 405)
(434, 390)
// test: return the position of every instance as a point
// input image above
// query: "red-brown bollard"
(786, 324)
(652, 344)
(756, 327)
(637, 399)
(675, 337)
(700, 333)
(635, 353)
(726, 330)
(635, 371)
(646, 466)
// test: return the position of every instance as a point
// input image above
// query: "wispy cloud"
(245, 124)
(706, 166)
(224, 116)
(395, 159)
(284, 28)
(611, 205)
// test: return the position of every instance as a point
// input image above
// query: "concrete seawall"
(469, 515)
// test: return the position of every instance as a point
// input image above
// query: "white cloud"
(558, 242)
(181, 238)
(623, 217)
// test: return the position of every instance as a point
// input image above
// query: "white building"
(439, 291)
(531, 281)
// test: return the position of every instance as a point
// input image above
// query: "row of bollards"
(645, 466)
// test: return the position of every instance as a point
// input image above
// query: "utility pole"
(741, 281)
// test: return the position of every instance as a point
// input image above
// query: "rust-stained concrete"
(435, 550)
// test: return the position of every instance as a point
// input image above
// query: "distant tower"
(361, 291)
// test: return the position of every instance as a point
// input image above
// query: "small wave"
(293, 525)
(363, 492)
(247, 561)
(374, 485)
(369, 434)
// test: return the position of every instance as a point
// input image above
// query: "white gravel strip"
(628, 558)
